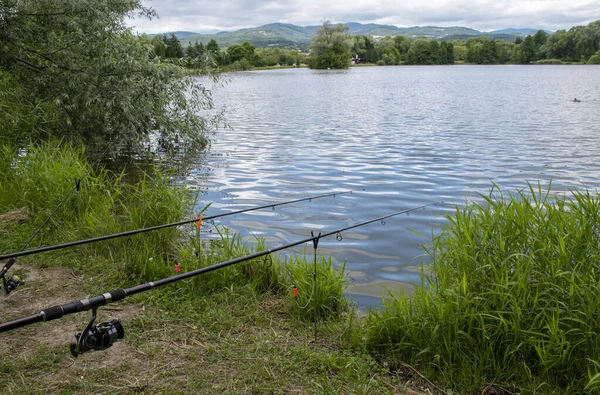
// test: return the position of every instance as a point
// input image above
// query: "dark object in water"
(576, 100)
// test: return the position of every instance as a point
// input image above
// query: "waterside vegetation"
(509, 303)
(511, 298)
(237, 329)
(333, 47)
(74, 70)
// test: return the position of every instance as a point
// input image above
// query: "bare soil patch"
(17, 215)
(45, 288)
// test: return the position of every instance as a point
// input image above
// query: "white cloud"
(212, 16)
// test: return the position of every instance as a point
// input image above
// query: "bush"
(513, 298)
(23, 118)
(82, 61)
(594, 59)
(549, 61)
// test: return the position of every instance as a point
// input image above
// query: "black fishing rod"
(102, 336)
(12, 283)
(14, 255)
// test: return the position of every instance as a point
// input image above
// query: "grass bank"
(235, 330)
(510, 303)
(35, 182)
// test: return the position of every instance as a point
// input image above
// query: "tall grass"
(41, 177)
(271, 274)
(513, 298)
(262, 274)
(330, 286)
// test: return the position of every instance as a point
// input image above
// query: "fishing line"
(102, 336)
(158, 227)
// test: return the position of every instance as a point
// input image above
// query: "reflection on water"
(408, 135)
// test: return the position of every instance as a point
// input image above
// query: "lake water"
(409, 136)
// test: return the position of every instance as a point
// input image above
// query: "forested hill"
(284, 35)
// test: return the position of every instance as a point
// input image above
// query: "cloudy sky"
(209, 16)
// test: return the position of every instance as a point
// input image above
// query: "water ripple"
(408, 135)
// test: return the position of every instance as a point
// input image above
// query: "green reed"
(512, 298)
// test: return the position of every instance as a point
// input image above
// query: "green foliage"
(212, 47)
(513, 298)
(269, 274)
(277, 56)
(41, 178)
(391, 56)
(484, 52)
(527, 51)
(331, 301)
(460, 52)
(153, 200)
(194, 51)
(83, 59)
(243, 54)
(561, 45)
(549, 61)
(423, 51)
(577, 44)
(7, 157)
(330, 47)
(594, 59)
(418, 53)
(446, 52)
(167, 46)
(365, 48)
(262, 274)
(23, 117)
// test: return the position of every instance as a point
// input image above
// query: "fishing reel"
(97, 337)
(11, 284)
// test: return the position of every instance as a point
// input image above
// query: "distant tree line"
(401, 50)
(244, 56)
(579, 44)
(333, 47)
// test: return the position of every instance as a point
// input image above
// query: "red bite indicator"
(198, 221)
(177, 268)
(295, 292)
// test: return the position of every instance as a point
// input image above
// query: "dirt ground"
(221, 348)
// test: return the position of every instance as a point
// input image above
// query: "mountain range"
(285, 35)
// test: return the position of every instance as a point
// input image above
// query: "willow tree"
(101, 81)
(331, 47)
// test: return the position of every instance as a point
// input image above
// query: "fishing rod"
(11, 283)
(14, 255)
(102, 336)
